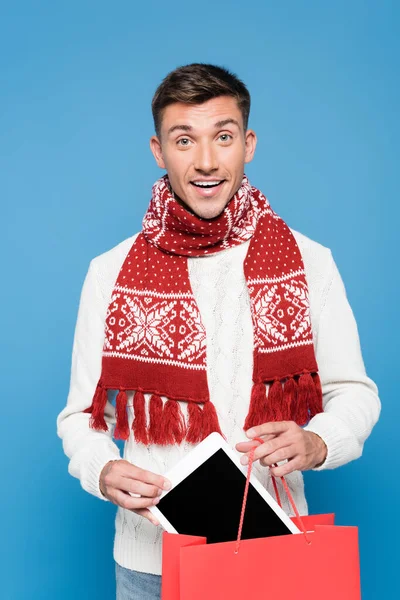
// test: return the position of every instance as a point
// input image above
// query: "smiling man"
(216, 316)
(204, 175)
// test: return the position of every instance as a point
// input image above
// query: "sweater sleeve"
(87, 449)
(350, 398)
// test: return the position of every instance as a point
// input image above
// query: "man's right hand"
(119, 477)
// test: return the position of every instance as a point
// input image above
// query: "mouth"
(208, 188)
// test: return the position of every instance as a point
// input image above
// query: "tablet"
(207, 494)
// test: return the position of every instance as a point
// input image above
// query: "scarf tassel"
(173, 423)
(296, 399)
(166, 421)
(139, 425)
(96, 409)
(122, 426)
(167, 425)
(193, 435)
(258, 406)
(309, 398)
(202, 422)
(290, 391)
(210, 420)
(155, 427)
(275, 402)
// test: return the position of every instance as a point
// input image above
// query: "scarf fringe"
(297, 398)
(258, 406)
(202, 422)
(210, 420)
(290, 392)
(302, 400)
(122, 428)
(275, 401)
(173, 423)
(97, 420)
(193, 435)
(166, 424)
(139, 426)
(155, 412)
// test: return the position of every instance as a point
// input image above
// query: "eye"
(183, 140)
(226, 136)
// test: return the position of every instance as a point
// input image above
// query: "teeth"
(206, 183)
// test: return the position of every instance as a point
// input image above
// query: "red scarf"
(155, 340)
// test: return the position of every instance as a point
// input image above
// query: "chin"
(209, 212)
(207, 208)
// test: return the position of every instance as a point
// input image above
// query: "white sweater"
(351, 403)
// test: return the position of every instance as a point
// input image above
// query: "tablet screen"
(208, 502)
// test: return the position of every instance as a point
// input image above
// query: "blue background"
(76, 83)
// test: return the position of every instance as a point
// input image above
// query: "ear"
(155, 147)
(250, 144)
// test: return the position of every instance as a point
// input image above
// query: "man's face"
(204, 144)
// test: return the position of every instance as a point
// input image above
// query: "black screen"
(208, 503)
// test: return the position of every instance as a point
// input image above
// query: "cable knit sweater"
(351, 403)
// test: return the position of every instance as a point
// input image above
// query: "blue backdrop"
(76, 83)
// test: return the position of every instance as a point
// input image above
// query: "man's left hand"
(284, 440)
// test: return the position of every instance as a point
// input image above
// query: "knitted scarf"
(155, 341)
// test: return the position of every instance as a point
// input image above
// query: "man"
(215, 317)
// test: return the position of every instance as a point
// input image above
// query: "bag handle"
(286, 487)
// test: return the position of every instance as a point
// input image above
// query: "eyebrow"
(217, 125)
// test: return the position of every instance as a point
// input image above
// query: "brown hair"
(196, 83)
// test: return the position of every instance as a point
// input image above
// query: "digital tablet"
(207, 494)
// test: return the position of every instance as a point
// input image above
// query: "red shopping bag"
(320, 563)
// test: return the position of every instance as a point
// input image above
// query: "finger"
(274, 427)
(133, 486)
(152, 479)
(144, 512)
(246, 446)
(286, 453)
(289, 467)
(124, 500)
(249, 444)
(267, 448)
(126, 469)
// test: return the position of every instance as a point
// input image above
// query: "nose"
(205, 159)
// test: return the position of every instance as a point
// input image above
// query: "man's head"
(200, 116)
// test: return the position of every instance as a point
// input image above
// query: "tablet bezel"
(197, 457)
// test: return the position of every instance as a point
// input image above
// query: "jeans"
(134, 585)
